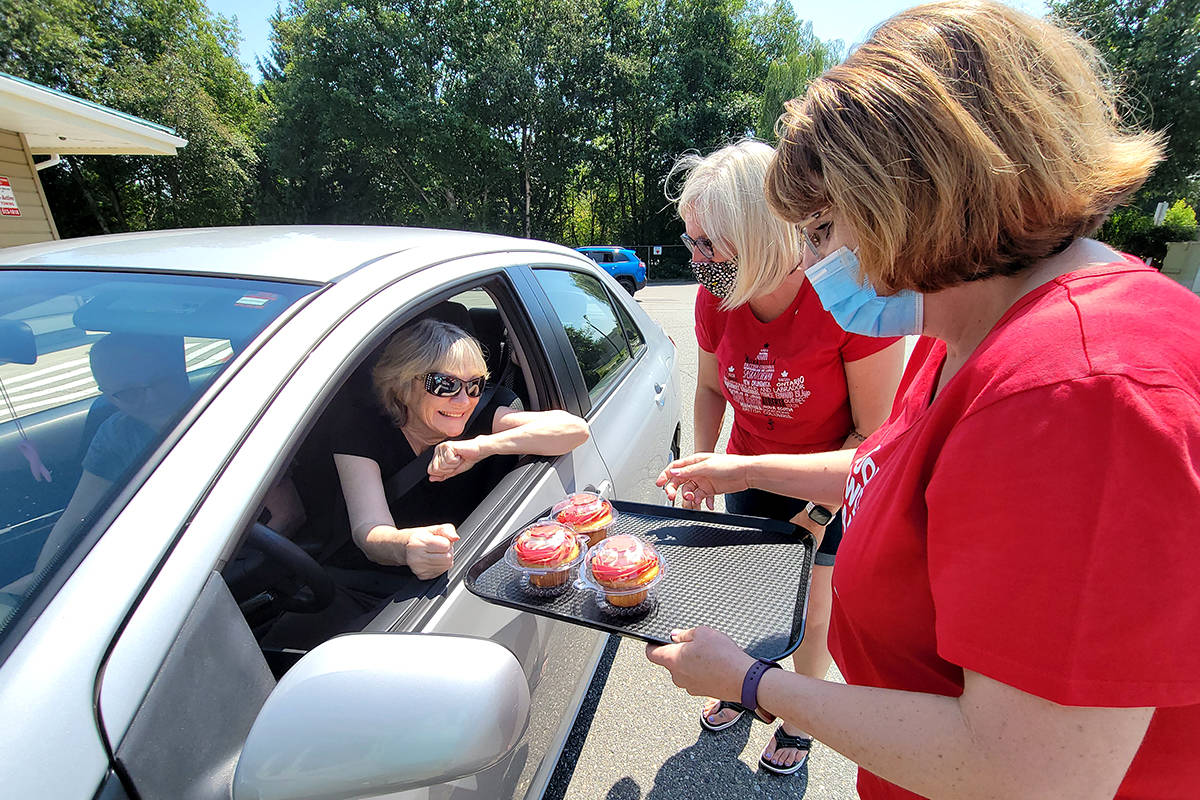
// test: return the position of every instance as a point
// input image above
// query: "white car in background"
(132, 663)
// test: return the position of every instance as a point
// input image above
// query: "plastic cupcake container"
(624, 570)
(545, 553)
(587, 513)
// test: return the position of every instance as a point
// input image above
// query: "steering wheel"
(317, 588)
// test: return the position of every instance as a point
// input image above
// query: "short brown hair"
(962, 140)
(426, 346)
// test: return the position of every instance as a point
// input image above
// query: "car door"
(625, 373)
(185, 679)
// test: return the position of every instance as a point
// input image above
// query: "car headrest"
(449, 311)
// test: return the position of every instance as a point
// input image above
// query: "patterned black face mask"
(716, 276)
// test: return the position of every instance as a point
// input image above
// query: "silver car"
(133, 661)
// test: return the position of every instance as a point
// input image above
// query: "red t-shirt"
(784, 378)
(1037, 522)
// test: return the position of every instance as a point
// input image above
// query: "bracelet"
(750, 688)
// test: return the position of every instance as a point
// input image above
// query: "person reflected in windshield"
(145, 377)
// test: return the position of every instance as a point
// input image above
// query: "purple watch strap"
(750, 682)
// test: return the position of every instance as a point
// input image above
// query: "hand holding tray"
(745, 576)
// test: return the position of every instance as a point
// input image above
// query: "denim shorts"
(757, 503)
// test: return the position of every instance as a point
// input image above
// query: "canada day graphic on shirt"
(862, 470)
(760, 389)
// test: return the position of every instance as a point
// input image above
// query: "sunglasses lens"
(441, 385)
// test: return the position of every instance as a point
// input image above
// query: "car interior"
(281, 574)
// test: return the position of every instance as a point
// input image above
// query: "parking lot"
(638, 735)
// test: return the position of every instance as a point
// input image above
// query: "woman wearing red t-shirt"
(1016, 598)
(796, 381)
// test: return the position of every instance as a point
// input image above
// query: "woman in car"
(427, 384)
(1015, 601)
(796, 381)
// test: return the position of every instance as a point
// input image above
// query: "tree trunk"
(87, 195)
(528, 193)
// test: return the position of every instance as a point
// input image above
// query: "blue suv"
(622, 263)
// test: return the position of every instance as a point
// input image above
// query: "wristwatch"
(818, 514)
(750, 688)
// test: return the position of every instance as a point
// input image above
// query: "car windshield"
(96, 371)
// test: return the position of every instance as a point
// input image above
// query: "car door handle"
(660, 394)
(605, 489)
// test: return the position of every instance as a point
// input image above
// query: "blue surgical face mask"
(854, 304)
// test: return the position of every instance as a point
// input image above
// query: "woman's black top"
(370, 433)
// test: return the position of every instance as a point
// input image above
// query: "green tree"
(1153, 47)
(173, 63)
(793, 56)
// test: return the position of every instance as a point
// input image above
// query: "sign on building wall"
(8, 200)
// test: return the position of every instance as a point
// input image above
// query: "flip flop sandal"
(721, 706)
(782, 741)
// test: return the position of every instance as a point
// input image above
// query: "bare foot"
(716, 718)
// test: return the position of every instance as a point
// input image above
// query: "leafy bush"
(1182, 217)
(1133, 231)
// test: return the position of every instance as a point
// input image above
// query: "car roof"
(310, 253)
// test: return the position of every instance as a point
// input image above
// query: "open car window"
(96, 370)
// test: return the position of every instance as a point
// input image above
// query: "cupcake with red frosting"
(625, 567)
(587, 513)
(546, 551)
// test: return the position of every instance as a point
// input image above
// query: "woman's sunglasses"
(439, 384)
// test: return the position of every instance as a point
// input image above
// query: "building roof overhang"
(55, 122)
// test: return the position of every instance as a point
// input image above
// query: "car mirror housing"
(369, 714)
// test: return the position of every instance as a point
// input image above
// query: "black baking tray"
(746, 576)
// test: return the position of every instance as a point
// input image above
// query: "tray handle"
(800, 614)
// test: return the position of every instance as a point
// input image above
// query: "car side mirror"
(373, 713)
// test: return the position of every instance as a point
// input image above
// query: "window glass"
(96, 369)
(633, 334)
(591, 324)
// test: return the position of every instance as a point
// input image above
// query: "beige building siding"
(35, 223)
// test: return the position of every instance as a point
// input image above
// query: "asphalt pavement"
(638, 737)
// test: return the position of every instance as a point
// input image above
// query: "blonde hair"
(723, 193)
(427, 346)
(962, 140)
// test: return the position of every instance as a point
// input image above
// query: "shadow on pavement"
(710, 768)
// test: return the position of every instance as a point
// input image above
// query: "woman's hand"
(428, 551)
(700, 477)
(703, 661)
(453, 457)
